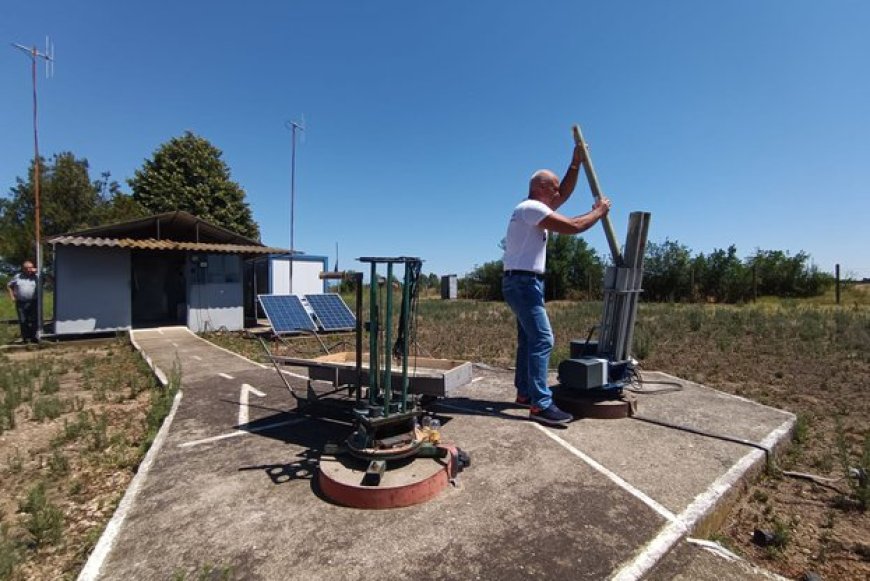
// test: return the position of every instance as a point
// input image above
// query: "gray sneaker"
(552, 416)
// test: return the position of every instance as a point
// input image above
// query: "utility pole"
(294, 127)
(48, 57)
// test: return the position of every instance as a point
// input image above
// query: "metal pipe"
(358, 279)
(373, 335)
(405, 318)
(643, 220)
(388, 342)
(596, 192)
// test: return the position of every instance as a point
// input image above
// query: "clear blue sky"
(739, 122)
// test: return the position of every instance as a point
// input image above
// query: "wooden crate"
(438, 377)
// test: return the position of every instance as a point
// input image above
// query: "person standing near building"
(23, 292)
(524, 261)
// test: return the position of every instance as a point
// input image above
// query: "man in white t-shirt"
(525, 258)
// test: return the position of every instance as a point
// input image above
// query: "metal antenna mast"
(48, 57)
(294, 127)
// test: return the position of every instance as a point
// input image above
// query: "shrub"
(45, 524)
(8, 553)
(58, 464)
(73, 430)
(47, 408)
(642, 343)
(50, 383)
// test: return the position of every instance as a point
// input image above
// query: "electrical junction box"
(583, 373)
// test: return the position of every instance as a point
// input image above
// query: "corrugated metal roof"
(152, 244)
(177, 225)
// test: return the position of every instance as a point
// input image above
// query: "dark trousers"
(27, 319)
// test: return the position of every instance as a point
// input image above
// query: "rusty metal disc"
(595, 405)
(414, 482)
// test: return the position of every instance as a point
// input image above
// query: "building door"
(158, 288)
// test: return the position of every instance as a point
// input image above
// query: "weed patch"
(161, 403)
(45, 523)
(856, 472)
(47, 408)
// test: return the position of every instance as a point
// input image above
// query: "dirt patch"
(68, 449)
(814, 362)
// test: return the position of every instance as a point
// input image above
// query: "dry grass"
(75, 423)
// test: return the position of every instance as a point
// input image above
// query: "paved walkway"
(229, 484)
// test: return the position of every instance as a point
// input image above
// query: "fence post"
(692, 285)
(837, 285)
(754, 282)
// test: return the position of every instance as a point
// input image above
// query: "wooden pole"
(754, 283)
(596, 193)
(837, 286)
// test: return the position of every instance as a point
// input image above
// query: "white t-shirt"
(526, 243)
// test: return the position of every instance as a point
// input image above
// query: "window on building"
(224, 268)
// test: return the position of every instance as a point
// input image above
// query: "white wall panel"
(306, 277)
(92, 287)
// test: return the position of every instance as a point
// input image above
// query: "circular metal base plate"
(396, 453)
(583, 405)
(413, 482)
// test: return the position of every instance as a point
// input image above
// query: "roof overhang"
(177, 226)
(169, 231)
(152, 244)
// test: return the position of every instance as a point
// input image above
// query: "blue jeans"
(27, 319)
(525, 295)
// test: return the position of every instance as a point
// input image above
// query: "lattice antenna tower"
(48, 58)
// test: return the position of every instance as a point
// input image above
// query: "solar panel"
(331, 311)
(286, 313)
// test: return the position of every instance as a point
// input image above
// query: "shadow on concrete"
(304, 469)
(463, 406)
(311, 431)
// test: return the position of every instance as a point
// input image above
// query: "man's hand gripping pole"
(596, 193)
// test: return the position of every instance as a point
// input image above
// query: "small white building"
(277, 274)
(166, 269)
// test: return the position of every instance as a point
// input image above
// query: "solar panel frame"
(331, 311)
(286, 313)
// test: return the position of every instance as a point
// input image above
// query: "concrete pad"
(233, 484)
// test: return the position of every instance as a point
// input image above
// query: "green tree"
(69, 201)
(726, 279)
(115, 205)
(574, 269)
(667, 271)
(187, 173)
(484, 282)
(777, 273)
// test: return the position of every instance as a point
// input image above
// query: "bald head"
(544, 187)
(541, 178)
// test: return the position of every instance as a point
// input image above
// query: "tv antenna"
(48, 58)
(295, 127)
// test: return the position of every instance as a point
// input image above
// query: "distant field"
(850, 294)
